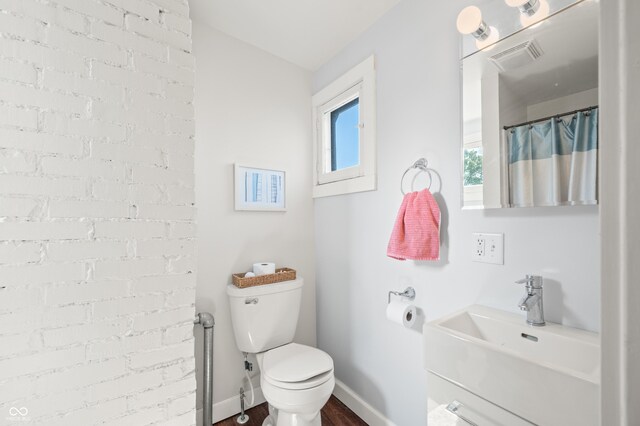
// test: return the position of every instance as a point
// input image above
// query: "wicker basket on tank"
(282, 274)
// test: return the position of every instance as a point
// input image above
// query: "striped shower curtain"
(554, 162)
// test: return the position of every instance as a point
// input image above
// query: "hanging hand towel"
(416, 233)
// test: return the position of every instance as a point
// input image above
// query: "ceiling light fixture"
(470, 22)
(531, 11)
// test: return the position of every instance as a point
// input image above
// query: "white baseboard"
(231, 407)
(359, 406)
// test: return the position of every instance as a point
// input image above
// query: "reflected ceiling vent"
(517, 56)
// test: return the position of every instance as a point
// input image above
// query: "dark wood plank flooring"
(334, 413)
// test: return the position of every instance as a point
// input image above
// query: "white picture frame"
(258, 189)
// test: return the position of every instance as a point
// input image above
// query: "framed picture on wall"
(259, 189)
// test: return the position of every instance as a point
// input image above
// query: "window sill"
(347, 186)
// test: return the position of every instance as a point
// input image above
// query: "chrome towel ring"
(422, 165)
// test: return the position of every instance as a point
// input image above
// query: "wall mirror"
(530, 115)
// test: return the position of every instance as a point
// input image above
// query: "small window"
(344, 134)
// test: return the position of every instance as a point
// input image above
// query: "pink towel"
(416, 234)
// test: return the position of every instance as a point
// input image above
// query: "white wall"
(564, 104)
(416, 47)
(254, 109)
(96, 216)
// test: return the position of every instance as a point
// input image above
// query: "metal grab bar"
(207, 321)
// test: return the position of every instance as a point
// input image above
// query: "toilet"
(296, 380)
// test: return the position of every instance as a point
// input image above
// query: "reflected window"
(473, 166)
(473, 177)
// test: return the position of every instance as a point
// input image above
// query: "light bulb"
(487, 43)
(526, 7)
(541, 13)
(469, 20)
(531, 11)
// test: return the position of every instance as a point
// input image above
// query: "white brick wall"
(97, 249)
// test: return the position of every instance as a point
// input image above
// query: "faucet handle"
(524, 280)
(533, 281)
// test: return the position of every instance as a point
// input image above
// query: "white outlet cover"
(488, 248)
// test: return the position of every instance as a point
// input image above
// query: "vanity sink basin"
(547, 375)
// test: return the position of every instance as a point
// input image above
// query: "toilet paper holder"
(409, 293)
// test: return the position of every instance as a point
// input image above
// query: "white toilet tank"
(265, 316)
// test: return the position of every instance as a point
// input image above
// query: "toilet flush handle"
(251, 301)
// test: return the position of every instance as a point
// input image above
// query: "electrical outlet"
(479, 244)
(488, 248)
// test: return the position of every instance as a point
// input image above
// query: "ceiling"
(305, 32)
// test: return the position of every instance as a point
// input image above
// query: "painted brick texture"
(97, 279)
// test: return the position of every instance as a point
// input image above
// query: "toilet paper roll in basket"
(401, 313)
(264, 268)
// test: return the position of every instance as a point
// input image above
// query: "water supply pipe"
(207, 321)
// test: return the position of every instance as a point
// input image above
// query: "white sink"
(548, 375)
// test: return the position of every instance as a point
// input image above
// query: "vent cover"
(517, 56)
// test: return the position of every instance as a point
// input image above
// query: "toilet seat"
(294, 366)
(307, 384)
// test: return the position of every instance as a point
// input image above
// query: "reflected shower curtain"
(554, 162)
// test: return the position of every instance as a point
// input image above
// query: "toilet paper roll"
(401, 313)
(264, 268)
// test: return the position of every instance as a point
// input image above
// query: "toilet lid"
(295, 363)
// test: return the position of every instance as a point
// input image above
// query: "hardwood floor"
(334, 413)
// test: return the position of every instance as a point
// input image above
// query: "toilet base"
(292, 419)
(276, 418)
(296, 407)
(272, 418)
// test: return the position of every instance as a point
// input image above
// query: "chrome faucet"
(532, 301)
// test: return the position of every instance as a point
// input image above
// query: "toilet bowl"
(296, 380)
